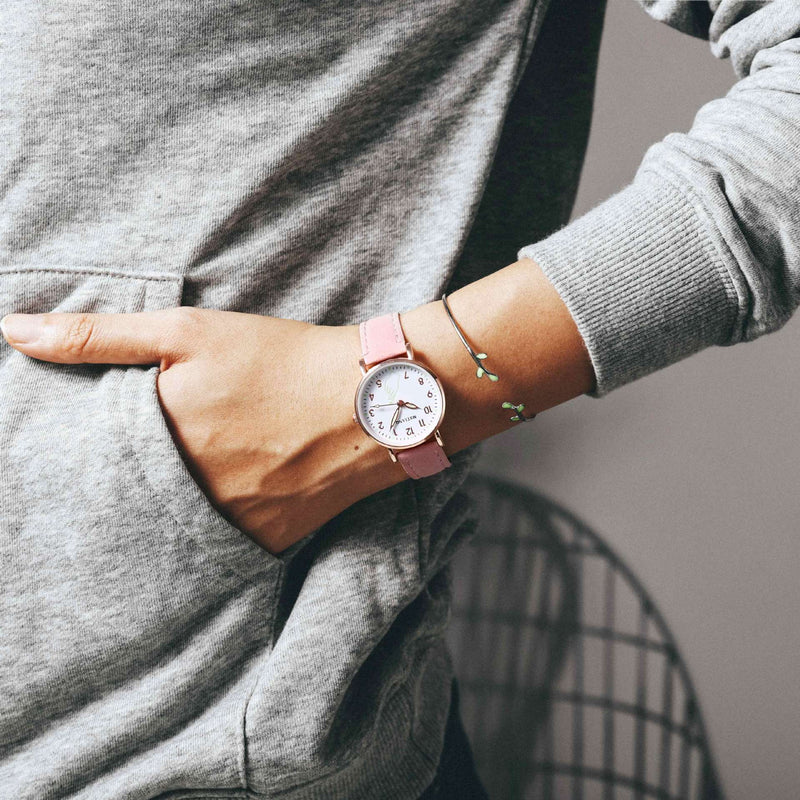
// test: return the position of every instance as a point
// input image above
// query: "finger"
(146, 337)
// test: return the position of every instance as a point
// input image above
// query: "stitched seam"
(399, 338)
(396, 330)
(200, 794)
(364, 343)
(243, 753)
(101, 272)
(409, 468)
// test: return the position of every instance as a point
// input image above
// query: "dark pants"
(456, 777)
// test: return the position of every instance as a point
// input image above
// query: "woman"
(216, 581)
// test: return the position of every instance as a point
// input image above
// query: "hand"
(241, 393)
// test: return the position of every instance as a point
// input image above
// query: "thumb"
(146, 337)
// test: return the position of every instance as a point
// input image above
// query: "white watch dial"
(400, 403)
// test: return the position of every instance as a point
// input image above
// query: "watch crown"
(354, 417)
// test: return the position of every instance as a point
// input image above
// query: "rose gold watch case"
(367, 374)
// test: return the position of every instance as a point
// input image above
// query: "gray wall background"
(691, 474)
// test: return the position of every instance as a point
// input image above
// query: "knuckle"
(189, 318)
(79, 335)
(190, 325)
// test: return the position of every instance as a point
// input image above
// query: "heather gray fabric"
(326, 162)
(703, 247)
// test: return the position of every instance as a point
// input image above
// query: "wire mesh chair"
(571, 684)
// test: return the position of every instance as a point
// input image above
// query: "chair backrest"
(571, 684)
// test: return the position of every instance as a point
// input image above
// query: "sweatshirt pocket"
(129, 608)
(145, 433)
(138, 436)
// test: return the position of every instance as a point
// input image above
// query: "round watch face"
(400, 403)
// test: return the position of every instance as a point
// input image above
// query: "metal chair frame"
(572, 684)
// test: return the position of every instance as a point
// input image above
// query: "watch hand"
(396, 417)
(378, 405)
(412, 406)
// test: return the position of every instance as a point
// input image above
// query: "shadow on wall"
(571, 683)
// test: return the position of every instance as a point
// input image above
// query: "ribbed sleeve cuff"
(643, 280)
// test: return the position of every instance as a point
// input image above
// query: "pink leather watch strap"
(425, 459)
(382, 338)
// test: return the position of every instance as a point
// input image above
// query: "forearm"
(262, 408)
(517, 318)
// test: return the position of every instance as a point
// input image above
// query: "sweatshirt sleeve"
(703, 246)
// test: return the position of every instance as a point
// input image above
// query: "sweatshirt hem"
(403, 778)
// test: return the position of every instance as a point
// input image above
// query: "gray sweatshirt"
(322, 161)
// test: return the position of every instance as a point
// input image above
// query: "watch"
(399, 402)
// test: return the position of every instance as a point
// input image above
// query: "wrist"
(515, 316)
(359, 466)
(436, 344)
